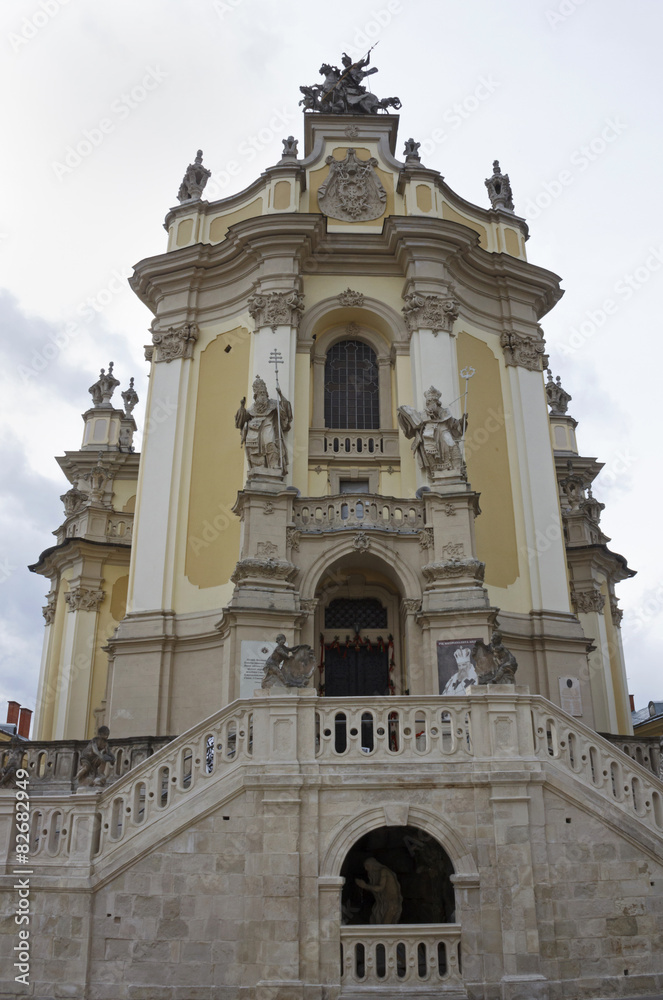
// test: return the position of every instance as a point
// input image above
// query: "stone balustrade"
(404, 955)
(53, 764)
(350, 510)
(290, 731)
(598, 764)
(645, 750)
(360, 445)
(392, 728)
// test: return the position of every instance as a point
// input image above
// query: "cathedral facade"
(349, 619)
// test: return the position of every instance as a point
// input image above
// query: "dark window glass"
(352, 398)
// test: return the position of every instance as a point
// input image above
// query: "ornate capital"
(430, 312)
(411, 605)
(84, 598)
(308, 605)
(616, 613)
(523, 351)
(175, 343)
(350, 298)
(276, 308)
(49, 610)
(586, 601)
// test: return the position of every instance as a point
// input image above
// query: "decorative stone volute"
(430, 312)
(524, 351)
(174, 343)
(50, 608)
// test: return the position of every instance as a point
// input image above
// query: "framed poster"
(456, 669)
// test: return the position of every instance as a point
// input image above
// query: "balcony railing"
(359, 445)
(403, 955)
(358, 510)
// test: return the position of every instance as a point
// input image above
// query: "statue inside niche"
(263, 427)
(384, 885)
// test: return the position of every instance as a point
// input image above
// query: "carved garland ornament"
(84, 598)
(276, 308)
(454, 568)
(269, 569)
(292, 538)
(521, 351)
(429, 312)
(350, 298)
(173, 344)
(586, 601)
(361, 541)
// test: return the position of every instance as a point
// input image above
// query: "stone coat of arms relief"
(353, 191)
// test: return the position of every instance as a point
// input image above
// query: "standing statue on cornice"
(343, 92)
(435, 434)
(263, 427)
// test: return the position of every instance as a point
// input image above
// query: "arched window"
(352, 394)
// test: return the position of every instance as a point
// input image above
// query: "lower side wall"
(554, 900)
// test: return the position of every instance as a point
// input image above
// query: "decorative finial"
(411, 151)
(194, 180)
(289, 148)
(499, 189)
(558, 397)
(104, 387)
(130, 397)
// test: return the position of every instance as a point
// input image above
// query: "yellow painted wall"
(488, 463)
(217, 463)
(222, 223)
(282, 195)
(449, 213)
(184, 232)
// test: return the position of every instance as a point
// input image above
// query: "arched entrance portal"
(417, 866)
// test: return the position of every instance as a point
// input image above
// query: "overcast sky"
(105, 102)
